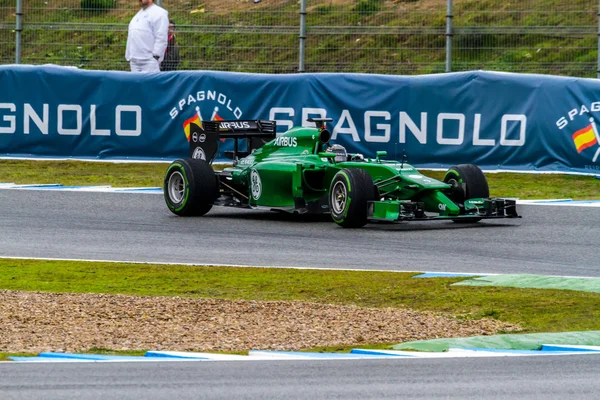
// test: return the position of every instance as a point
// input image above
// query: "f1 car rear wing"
(204, 141)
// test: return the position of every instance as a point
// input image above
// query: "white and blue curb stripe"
(70, 357)
(447, 275)
(97, 189)
(262, 355)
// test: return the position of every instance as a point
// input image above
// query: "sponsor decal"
(580, 124)
(575, 113)
(247, 160)
(195, 137)
(234, 125)
(202, 138)
(285, 141)
(70, 119)
(207, 97)
(255, 184)
(199, 154)
(381, 126)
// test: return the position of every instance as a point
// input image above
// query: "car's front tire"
(468, 182)
(190, 187)
(349, 193)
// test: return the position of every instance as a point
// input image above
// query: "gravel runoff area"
(36, 322)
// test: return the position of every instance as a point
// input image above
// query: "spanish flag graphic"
(215, 115)
(587, 137)
(187, 127)
(584, 138)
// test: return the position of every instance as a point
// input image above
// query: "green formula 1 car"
(300, 171)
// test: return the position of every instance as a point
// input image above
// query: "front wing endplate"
(399, 210)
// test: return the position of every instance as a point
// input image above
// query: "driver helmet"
(340, 152)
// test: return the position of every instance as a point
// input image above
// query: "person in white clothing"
(147, 37)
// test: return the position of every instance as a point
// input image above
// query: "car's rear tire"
(349, 193)
(190, 187)
(468, 182)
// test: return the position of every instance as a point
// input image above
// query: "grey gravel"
(38, 322)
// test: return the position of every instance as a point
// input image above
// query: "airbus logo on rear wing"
(244, 127)
(232, 125)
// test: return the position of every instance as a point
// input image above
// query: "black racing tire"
(190, 187)
(349, 193)
(468, 182)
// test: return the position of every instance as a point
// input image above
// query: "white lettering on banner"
(562, 122)
(308, 112)
(222, 99)
(30, 114)
(476, 140)
(351, 129)
(345, 125)
(93, 130)
(407, 122)
(440, 128)
(11, 119)
(503, 130)
(138, 121)
(59, 124)
(203, 95)
(369, 136)
(288, 123)
(63, 111)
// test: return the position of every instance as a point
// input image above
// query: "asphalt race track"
(523, 378)
(549, 240)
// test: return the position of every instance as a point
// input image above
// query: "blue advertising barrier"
(495, 120)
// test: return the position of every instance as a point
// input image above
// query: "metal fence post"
(18, 30)
(449, 36)
(159, 3)
(598, 40)
(303, 34)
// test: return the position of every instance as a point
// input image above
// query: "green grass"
(535, 310)
(83, 173)
(4, 356)
(524, 186)
(210, 39)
